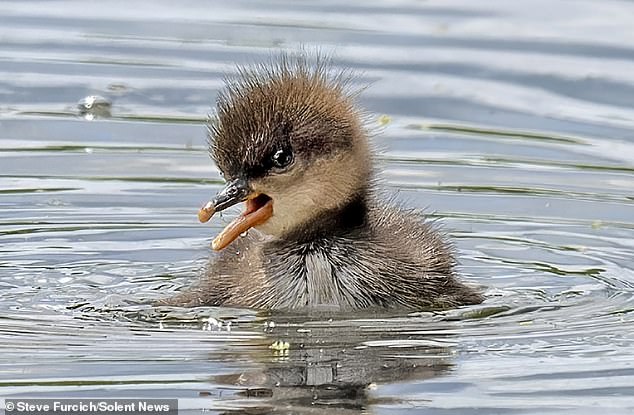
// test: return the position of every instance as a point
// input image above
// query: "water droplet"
(94, 106)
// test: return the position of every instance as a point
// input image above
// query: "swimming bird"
(316, 234)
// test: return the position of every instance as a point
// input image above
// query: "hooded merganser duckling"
(290, 143)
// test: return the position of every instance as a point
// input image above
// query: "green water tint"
(148, 179)
(489, 132)
(505, 162)
(519, 191)
(100, 148)
(162, 118)
(39, 190)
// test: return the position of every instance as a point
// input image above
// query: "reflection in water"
(319, 365)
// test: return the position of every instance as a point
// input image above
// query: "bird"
(317, 232)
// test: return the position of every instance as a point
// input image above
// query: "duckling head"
(290, 143)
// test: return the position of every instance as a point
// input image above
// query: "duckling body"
(390, 260)
(315, 234)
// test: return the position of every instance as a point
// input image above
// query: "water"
(512, 122)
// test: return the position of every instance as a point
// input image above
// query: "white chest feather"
(321, 283)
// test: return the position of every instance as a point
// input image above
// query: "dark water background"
(513, 122)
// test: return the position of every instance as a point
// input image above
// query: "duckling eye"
(282, 158)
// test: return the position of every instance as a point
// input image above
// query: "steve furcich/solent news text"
(91, 406)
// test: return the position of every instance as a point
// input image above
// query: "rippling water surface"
(513, 122)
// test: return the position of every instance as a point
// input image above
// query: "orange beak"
(259, 208)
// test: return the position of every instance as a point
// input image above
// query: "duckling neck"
(350, 217)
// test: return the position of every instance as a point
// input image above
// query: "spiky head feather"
(291, 102)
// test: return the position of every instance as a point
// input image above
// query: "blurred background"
(510, 123)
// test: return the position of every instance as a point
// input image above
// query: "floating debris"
(597, 224)
(384, 120)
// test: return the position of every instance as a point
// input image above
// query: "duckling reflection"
(334, 366)
(291, 145)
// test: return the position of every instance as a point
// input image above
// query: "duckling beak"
(259, 208)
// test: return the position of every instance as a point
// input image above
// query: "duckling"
(315, 233)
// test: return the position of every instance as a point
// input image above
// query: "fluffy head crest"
(291, 102)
